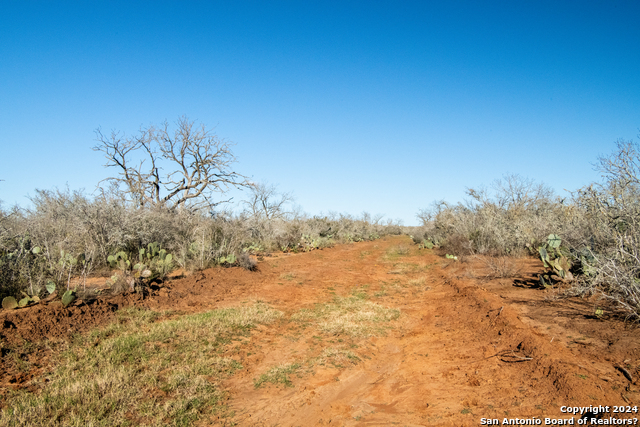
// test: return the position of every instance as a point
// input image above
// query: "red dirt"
(465, 347)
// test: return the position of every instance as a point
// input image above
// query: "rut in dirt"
(458, 352)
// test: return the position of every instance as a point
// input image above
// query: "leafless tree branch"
(266, 202)
(198, 164)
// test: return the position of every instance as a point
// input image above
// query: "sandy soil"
(465, 347)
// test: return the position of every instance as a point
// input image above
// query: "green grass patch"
(360, 292)
(139, 370)
(278, 375)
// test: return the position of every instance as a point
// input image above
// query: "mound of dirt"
(53, 321)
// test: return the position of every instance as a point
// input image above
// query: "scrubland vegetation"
(365, 323)
(589, 239)
(68, 233)
(145, 223)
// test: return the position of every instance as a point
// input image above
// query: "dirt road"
(382, 333)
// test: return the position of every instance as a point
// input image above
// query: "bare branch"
(266, 202)
(198, 164)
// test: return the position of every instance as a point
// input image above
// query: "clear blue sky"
(353, 106)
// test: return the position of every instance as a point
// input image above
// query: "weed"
(501, 267)
(245, 261)
(278, 375)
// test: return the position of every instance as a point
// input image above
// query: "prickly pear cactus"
(554, 257)
(553, 241)
(119, 260)
(426, 244)
(50, 287)
(68, 297)
(545, 281)
(153, 249)
(544, 256)
(9, 303)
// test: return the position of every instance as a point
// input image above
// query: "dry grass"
(352, 316)
(420, 281)
(288, 276)
(396, 252)
(403, 268)
(139, 371)
(278, 375)
(97, 227)
(501, 267)
(336, 357)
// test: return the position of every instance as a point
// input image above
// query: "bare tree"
(612, 209)
(197, 162)
(516, 192)
(372, 219)
(622, 168)
(428, 215)
(266, 202)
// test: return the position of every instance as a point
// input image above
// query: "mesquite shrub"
(599, 225)
(68, 224)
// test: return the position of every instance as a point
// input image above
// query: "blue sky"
(370, 106)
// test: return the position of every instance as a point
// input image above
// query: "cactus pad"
(51, 287)
(9, 303)
(68, 297)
